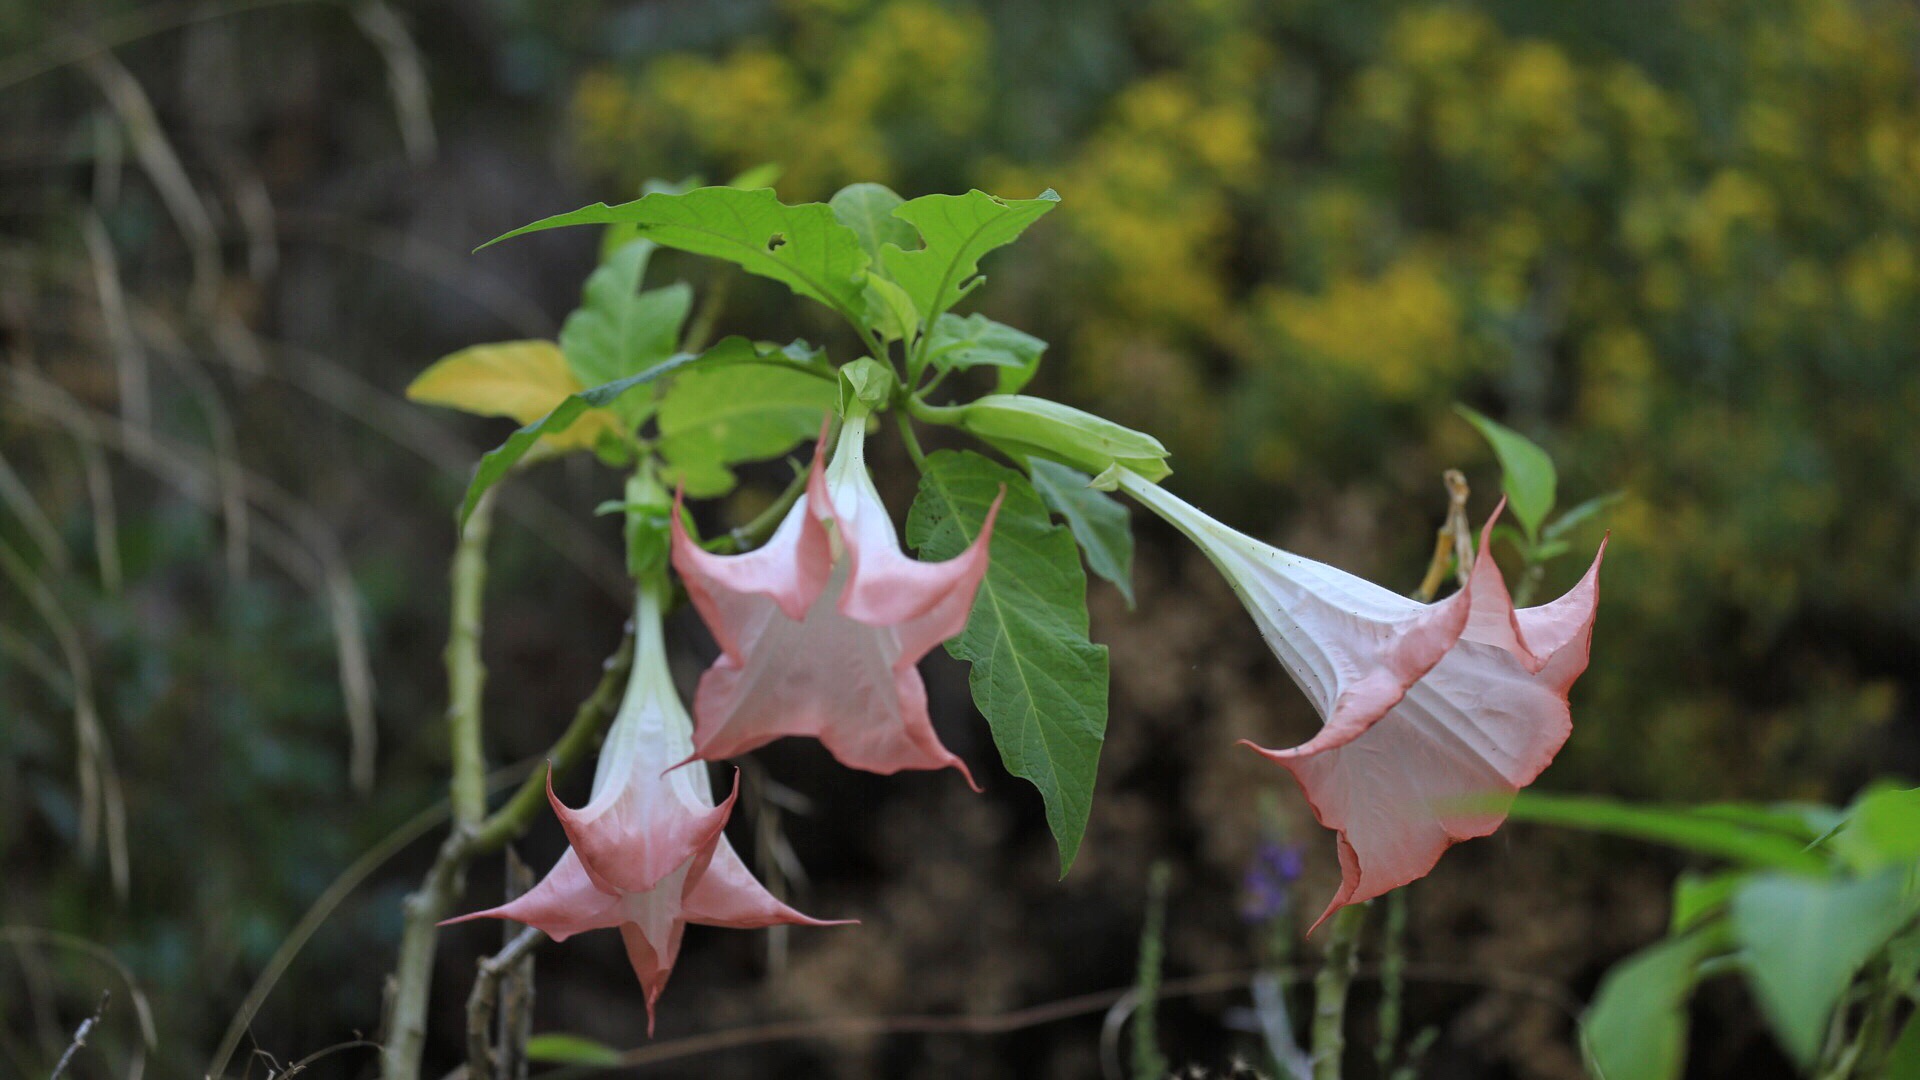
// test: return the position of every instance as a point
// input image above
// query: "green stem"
(1330, 990)
(466, 674)
(755, 532)
(946, 415)
(1148, 1062)
(1393, 977)
(913, 441)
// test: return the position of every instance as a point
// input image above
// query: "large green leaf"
(1637, 1027)
(495, 463)
(868, 209)
(1527, 474)
(718, 416)
(1804, 939)
(1690, 830)
(1040, 683)
(957, 230)
(618, 330)
(804, 247)
(1100, 522)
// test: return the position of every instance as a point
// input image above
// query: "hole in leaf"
(775, 241)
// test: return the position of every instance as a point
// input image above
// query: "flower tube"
(1433, 715)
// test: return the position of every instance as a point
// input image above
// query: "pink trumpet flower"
(648, 855)
(820, 630)
(1433, 715)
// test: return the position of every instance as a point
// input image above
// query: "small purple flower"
(1269, 881)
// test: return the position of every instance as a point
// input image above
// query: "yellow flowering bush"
(1677, 244)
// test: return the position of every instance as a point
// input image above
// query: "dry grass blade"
(406, 77)
(409, 427)
(101, 795)
(39, 527)
(106, 519)
(60, 939)
(129, 359)
(162, 165)
(128, 28)
(322, 908)
(446, 267)
(228, 471)
(305, 548)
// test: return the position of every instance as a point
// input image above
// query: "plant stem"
(412, 978)
(1393, 979)
(755, 532)
(466, 674)
(1148, 1062)
(913, 441)
(1330, 990)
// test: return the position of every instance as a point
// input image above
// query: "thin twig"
(80, 1036)
(481, 1002)
(1518, 983)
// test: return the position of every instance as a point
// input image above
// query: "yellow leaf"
(524, 380)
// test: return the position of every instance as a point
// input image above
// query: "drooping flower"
(1433, 715)
(821, 629)
(647, 852)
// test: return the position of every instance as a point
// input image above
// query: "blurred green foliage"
(1675, 243)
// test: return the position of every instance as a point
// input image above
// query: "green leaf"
(1689, 830)
(868, 209)
(803, 247)
(1804, 940)
(495, 463)
(619, 331)
(1578, 516)
(721, 415)
(763, 175)
(958, 230)
(1527, 474)
(1029, 426)
(1040, 683)
(955, 343)
(1637, 1026)
(1100, 522)
(889, 311)
(1882, 829)
(866, 383)
(1903, 1061)
(1696, 897)
(557, 1048)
